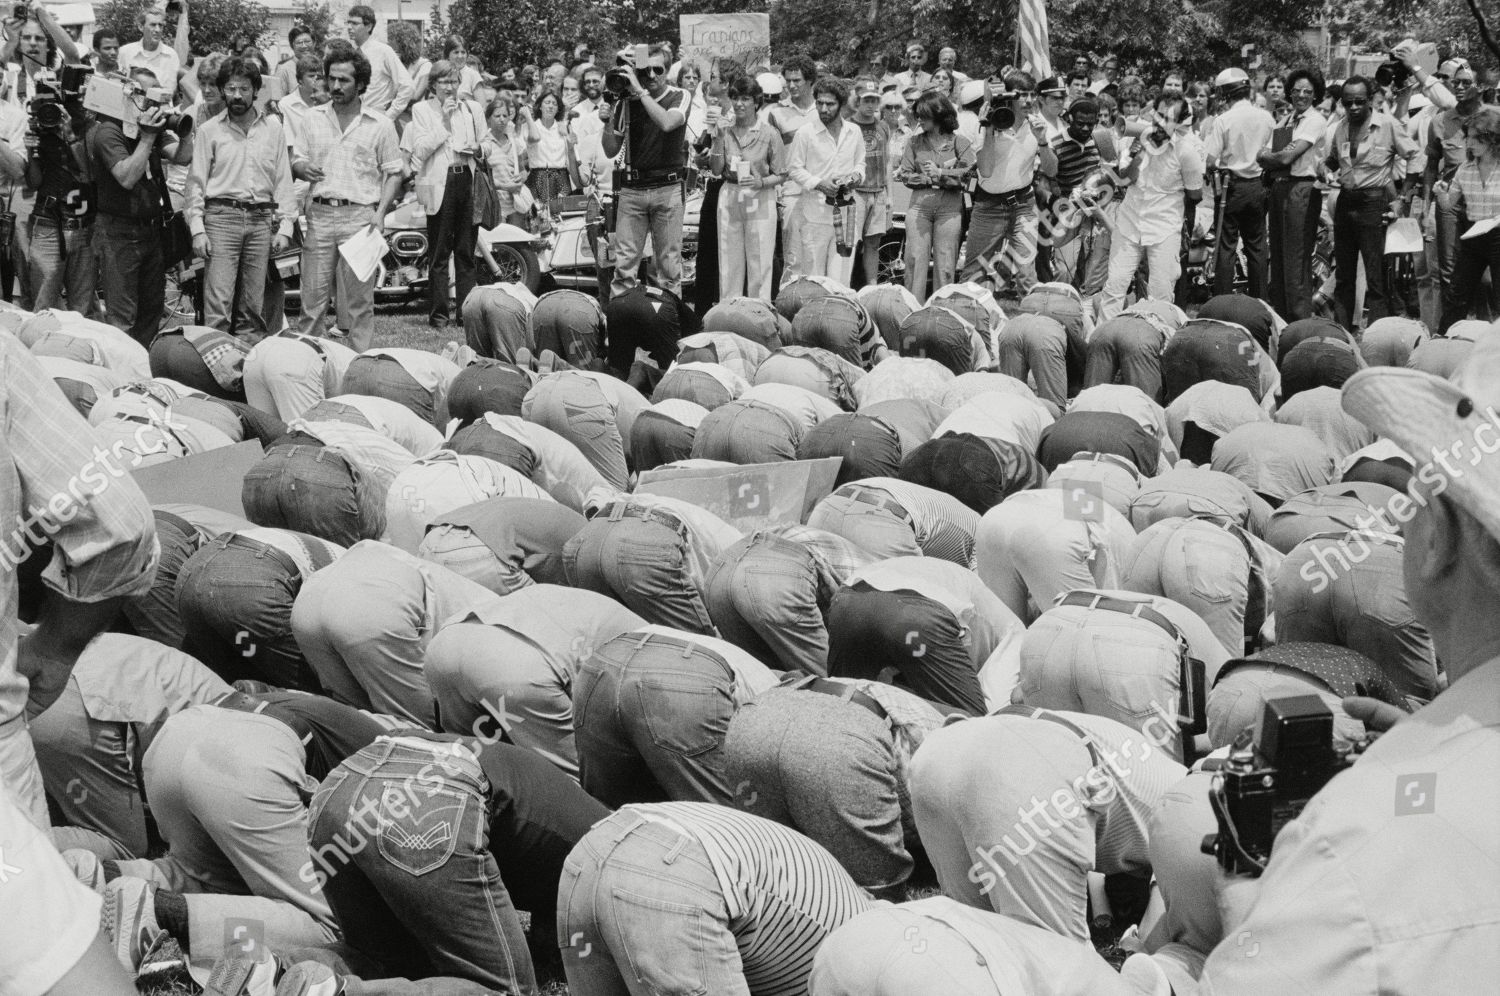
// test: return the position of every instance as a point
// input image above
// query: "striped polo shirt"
(1075, 160)
(784, 893)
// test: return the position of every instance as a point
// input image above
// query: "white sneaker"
(129, 920)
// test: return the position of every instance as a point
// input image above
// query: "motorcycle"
(510, 253)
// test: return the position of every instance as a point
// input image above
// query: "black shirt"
(107, 146)
(648, 318)
(1098, 432)
(650, 147)
(65, 189)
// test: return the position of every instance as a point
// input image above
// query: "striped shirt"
(1075, 160)
(1476, 192)
(783, 892)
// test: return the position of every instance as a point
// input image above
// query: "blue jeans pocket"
(427, 835)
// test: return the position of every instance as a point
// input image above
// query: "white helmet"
(1231, 78)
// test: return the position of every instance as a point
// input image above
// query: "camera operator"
(239, 204)
(1388, 881)
(1003, 225)
(649, 124)
(61, 227)
(1166, 183)
(132, 211)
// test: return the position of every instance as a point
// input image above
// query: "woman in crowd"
(547, 149)
(456, 51)
(1476, 196)
(506, 156)
(751, 158)
(695, 108)
(934, 166)
(442, 147)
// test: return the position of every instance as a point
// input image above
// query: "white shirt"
(1016, 154)
(390, 89)
(1152, 210)
(163, 62)
(1312, 128)
(818, 155)
(1237, 136)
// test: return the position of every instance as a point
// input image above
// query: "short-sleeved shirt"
(1310, 127)
(1152, 210)
(108, 146)
(877, 136)
(654, 149)
(1384, 147)
(1475, 194)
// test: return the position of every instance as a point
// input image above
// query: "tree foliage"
(318, 19)
(213, 24)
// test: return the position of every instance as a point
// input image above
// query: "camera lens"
(48, 115)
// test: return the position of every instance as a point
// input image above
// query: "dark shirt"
(650, 147)
(527, 534)
(877, 136)
(108, 146)
(1098, 432)
(66, 189)
(1074, 160)
(330, 731)
(649, 318)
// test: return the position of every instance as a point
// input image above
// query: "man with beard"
(826, 155)
(240, 187)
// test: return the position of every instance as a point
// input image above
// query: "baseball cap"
(770, 83)
(1052, 84)
(866, 88)
(1231, 77)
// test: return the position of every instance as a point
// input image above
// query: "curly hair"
(1313, 78)
(939, 109)
(1485, 126)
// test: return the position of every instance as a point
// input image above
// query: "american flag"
(1031, 25)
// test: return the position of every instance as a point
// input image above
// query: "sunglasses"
(1354, 101)
(654, 71)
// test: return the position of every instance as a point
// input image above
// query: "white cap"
(770, 83)
(971, 91)
(1230, 77)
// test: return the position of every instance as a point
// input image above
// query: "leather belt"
(459, 168)
(1019, 195)
(646, 179)
(838, 689)
(339, 202)
(879, 500)
(239, 205)
(1141, 610)
(66, 224)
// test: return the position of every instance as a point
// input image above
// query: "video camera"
(619, 82)
(1265, 783)
(55, 96)
(124, 100)
(20, 12)
(1394, 73)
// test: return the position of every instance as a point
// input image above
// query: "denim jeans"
(325, 275)
(934, 225)
(872, 631)
(747, 432)
(698, 386)
(496, 324)
(868, 445)
(1126, 349)
(643, 562)
(1331, 508)
(234, 281)
(385, 377)
(132, 274)
(482, 439)
(1036, 345)
(764, 595)
(656, 439)
(575, 408)
(235, 599)
(429, 898)
(1014, 225)
(648, 913)
(63, 270)
(650, 714)
(1202, 566)
(310, 489)
(1462, 293)
(1322, 595)
(875, 528)
(827, 768)
(1237, 701)
(657, 212)
(153, 614)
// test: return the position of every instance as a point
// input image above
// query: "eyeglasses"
(654, 71)
(1302, 91)
(1354, 101)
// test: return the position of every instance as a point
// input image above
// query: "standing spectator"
(505, 156)
(61, 237)
(1172, 85)
(302, 42)
(651, 197)
(132, 199)
(879, 70)
(406, 42)
(788, 119)
(935, 166)
(914, 75)
(390, 87)
(456, 51)
(1080, 253)
(826, 155)
(1234, 145)
(1166, 185)
(1447, 149)
(1296, 202)
(750, 157)
(152, 53)
(1078, 86)
(105, 56)
(442, 146)
(546, 150)
(1368, 150)
(1003, 226)
(350, 156)
(1475, 197)
(239, 189)
(872, 195)
(948, 59)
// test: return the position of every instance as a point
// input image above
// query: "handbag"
(524, 200)
(486, 199)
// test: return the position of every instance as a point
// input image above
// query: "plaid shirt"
(1477, 196)
(106, 546)
(743, 356)
(355, 162)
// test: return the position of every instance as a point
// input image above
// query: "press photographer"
(644, 116)
(1003, 226)
(135, 129)
(61, 228)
